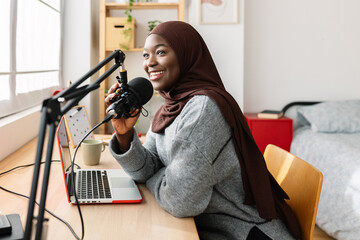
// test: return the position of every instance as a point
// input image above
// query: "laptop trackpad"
(122, 182)
(124, 188)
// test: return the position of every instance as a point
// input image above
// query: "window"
(30, 53)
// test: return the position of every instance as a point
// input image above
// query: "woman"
(199, 158)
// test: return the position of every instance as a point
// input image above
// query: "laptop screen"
(64, 151)
(64, 146)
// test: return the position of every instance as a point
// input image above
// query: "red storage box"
(270, 131)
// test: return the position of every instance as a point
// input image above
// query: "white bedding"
(337, 156)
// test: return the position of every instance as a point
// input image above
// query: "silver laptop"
(95, 185)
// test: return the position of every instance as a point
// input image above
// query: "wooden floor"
(320, 234)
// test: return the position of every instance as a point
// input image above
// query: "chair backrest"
(301, 181)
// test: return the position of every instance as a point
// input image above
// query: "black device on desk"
(10, 227)
(5, 226)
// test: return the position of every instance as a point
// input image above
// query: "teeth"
(156, 73)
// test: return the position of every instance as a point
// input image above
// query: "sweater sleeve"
(184, 188)
(139, 162)
(198, 160)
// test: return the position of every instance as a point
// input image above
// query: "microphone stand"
(51, 114)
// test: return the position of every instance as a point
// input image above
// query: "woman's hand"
(123, 127)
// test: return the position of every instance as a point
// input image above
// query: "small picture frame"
(218, 11)
(77, 125)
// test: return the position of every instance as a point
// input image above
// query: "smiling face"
(160, 63)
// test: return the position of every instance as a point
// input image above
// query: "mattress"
(337, 156)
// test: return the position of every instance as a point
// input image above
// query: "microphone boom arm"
(51, 113)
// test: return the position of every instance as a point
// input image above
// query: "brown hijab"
(199, 76)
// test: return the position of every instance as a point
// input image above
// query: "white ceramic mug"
(91, 151)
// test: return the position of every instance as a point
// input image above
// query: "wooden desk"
(146, 220)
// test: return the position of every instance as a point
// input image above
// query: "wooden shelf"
(104, 12)
(113, 6)
(128, 50)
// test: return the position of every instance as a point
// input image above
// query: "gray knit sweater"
(192, 170)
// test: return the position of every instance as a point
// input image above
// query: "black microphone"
(138, 92)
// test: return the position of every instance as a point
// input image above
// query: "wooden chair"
(301, 181)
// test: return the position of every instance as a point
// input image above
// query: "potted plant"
(127, 31)
(153, 24)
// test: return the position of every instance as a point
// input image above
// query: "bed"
(327, 136)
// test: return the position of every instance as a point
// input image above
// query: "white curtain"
(30, 53)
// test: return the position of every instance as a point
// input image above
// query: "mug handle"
(102, 147)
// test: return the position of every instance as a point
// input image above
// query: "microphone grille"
(142, 88)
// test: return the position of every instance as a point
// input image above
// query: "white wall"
(77, 43)
(226, 44)
(18, 129)
(300, 50)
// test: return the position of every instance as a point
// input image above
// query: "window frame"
(22, 101)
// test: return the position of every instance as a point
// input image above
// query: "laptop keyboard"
(93, 184)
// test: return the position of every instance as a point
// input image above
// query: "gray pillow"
(332, 116)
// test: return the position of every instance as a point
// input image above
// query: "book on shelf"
(272, 114)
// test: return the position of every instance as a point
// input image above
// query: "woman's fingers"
(113, 87)
(111, 94)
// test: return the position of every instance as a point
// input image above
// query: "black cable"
(106, 119)
(29, 165)
(26, 165)
(52, 214)
(21, 195)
